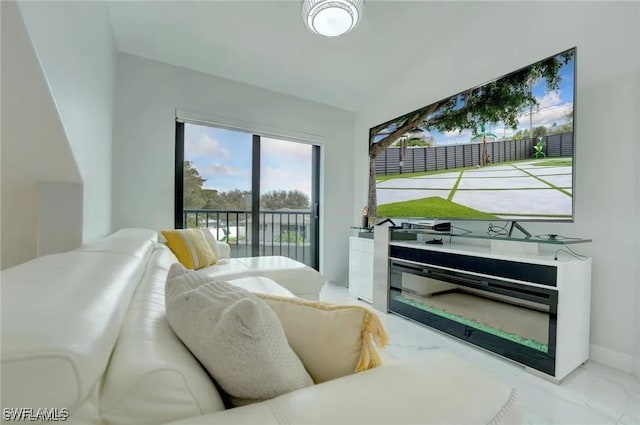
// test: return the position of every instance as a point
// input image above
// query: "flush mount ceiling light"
(331, 18)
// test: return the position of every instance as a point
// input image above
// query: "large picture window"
(258, 194)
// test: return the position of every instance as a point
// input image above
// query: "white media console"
(526, 304)
(361, 268)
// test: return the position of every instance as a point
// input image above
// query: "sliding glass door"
(287, 218)
(259, 194)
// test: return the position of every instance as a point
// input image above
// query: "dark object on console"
(442, 227)
(435, 241)
(436, 226)
(515, 224)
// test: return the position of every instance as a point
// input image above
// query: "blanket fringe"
(373, 335)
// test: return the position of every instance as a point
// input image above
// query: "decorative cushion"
(235, 335)
(212, 240)
(190, 247)
(331, 340)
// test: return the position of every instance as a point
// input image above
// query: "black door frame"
(315, 207)
(179, 178)
(255, 200)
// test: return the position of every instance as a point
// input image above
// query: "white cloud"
(280, 179)
(550, 99)
(503, 132)
(463, 138)
(285, 148)
(455, 133)
(271, 173)
(221, 170)
(546, 116)
(206, 146)
(225, 178)
(454, 137)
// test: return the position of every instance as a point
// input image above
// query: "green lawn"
(561, 162)
(382, 178)
(431, 207)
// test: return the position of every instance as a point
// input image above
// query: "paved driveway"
(507, 190)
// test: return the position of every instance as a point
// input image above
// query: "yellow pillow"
(331, 340)
(191, 247)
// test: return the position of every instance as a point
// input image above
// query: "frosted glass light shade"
(331, 18)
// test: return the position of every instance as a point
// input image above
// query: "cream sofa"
(301, 280)
(86, 331)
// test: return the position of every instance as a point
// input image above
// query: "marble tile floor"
(592, 394)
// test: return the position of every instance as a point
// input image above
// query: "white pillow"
(235, 335)
(213, 242)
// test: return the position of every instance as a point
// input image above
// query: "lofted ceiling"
(266, 44)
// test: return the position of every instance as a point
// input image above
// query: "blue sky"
(223, 158)
(553, 106)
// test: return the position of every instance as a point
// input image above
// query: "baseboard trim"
(615, 359)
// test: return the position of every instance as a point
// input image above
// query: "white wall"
(147, 96)
(76, 49)
(34, 146)
(636, 370)
(492, 39)
(59, 215)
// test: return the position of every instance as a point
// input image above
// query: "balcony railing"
(286, 233)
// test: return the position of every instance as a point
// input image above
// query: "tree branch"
(376, 148)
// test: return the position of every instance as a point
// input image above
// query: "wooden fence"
(469, 155)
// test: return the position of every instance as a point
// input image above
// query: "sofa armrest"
(435, 388)
(225, 250)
